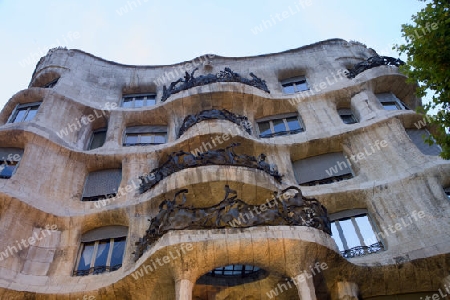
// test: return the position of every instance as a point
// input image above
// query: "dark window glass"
(390, 105)
(131, 139)
(20, 116)
(101, 257)
(348, 119)
(278, 126)
(151, 101)
(7, 170)
(139, 102)
(160, 139)
(128, 103)
(264, 129)
(86, 256)
(146, 138)
(118, 250)
(293, 124)
(288, 88)
(97, 139)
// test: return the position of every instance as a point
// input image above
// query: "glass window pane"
(238, 267)
(390, 106)
(128, 103)
(336, 237)
(151, 100)
(86, 256)
(117, 253)
(138, 102)
(131, 139)
(278, 126)
(20, 115)
(145, 138)
(288, 88)
(264, 129)
(366, 230)
(6, 170)
(102, 253)
(348, 119)
(31, 113)
(301, 85)
(160, 138)
(98, 139)
(349, 233)
(293, 123)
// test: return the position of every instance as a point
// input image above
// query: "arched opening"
(242, 281)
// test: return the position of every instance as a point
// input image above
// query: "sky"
(154, 32)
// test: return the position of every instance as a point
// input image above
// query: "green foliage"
(428, 64)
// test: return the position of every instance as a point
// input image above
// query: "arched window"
(101, 250)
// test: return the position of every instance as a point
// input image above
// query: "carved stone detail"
(224, 114)
(373, 62)
(180, 160)
(231, 212)
(227, 75)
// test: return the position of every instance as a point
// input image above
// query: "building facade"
(295, 175)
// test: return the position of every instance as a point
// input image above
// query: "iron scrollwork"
(227, 75)
(373, 62)
(180, 160)
(231, 212)
(224, 114)
(362, 250)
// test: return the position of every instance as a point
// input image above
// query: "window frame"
(92, 269)
(284, 118)
(91, 139)
(396, 101)
(293, 81)
(21, 107)
(352, 214)
(154, 131)
(10, 163)
(134, 96)
(347, 112)
(51, 84)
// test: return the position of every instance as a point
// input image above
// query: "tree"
(428, 64)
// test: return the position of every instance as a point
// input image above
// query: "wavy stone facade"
(349, 144)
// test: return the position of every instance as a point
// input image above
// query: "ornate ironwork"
(232, 212)
(373, 62)
(178, 161)
(362, 250)
(224, 114)
(227, 75)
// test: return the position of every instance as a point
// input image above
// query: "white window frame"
(352, 214)
(286, 125)
(20, 107)
(147, 96)
(293, 81)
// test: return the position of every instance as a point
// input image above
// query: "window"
(51, 83)
(24, 112)
(101, 250)
(417, 136)
(138, 100)
(322, 169)
(294, 85)
(447, 192)
(347, 116)
(389, 101)
(97, 138)
(10, 158)
(280, 126)
(102, 184)
(234, 270)
(354, 233)
(145, 135)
